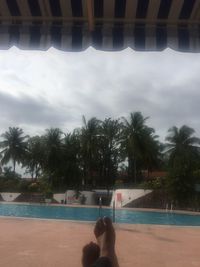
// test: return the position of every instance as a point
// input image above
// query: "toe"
(99, 227)
(107, 222)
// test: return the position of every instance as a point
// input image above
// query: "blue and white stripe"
(140, 24)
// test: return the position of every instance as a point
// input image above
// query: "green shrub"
(156, 183)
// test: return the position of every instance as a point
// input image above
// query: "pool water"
(91, 214)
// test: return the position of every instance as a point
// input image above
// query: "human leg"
(105, 235)
(90, 254)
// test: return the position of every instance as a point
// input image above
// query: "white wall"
(9, 196)
(127, 195)
(197, 187)
(59, 197)
(69, 194)
(90, 197)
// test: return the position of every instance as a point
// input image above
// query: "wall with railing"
(124, 196)
(9, 197)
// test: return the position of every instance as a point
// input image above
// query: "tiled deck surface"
(40, 243)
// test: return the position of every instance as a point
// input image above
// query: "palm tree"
(152, 156)
(35, 155)
(183, 153)
(89, 139)
(71, 171)
(14, 146)
(139, 142)
(181, 143)
(53, 143)
(110, 134)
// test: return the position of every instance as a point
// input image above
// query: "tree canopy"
(103, 151)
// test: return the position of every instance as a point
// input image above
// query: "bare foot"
(90, 255)
(105, 235)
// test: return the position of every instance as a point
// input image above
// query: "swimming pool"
(91, 214)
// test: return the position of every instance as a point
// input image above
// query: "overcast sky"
(39, 90)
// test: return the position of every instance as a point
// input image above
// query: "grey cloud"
(15, 79)
(175, 106)
(92, 104)
(166, 105)
(26, 110)
(164, 86)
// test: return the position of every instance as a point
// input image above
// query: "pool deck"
(40, 243)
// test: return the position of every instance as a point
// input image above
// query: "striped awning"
(74, 25)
